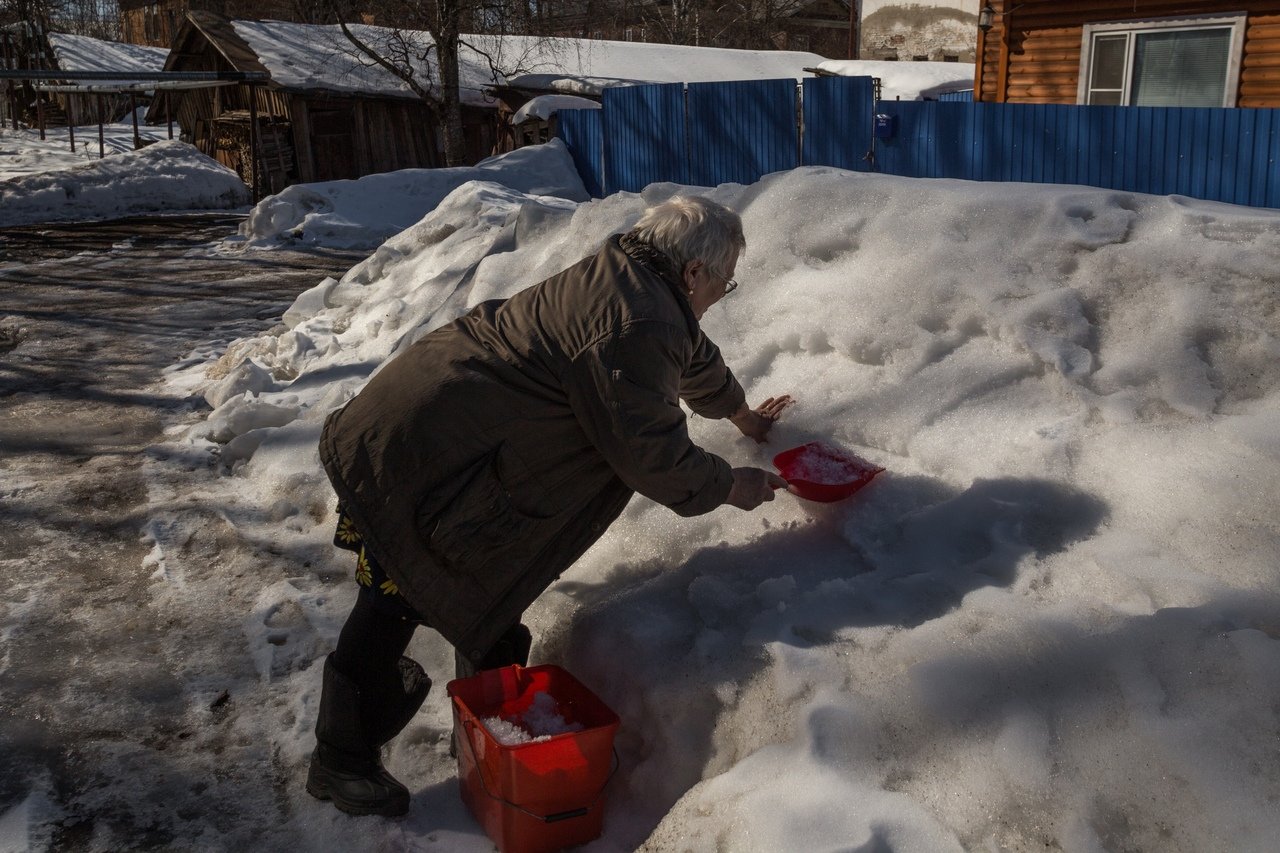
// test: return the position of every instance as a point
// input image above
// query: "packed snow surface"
(1051, 621)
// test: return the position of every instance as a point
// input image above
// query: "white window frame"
(1235, 21)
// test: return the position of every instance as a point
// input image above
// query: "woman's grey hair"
(687, 228)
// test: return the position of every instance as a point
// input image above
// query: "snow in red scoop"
(820, 472)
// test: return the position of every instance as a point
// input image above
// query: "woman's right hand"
(752, 487)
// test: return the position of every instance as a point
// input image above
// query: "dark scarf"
(653, 258)
(648, 255)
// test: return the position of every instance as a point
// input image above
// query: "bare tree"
(97, 18)
(420, 43)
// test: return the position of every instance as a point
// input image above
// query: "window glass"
(1109, 61)
(1182, 68)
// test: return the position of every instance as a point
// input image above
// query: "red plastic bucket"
(540, 796)
(820, 472)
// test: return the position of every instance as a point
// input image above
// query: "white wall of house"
(937, 30)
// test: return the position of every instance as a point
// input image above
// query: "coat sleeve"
(709, 387)
(624, 390)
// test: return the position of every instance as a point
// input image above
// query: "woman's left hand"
(756, 423)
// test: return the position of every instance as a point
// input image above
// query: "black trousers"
(382, 623)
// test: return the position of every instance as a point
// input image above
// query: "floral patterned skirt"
(374, 584)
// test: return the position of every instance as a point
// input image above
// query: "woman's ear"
(690, 273)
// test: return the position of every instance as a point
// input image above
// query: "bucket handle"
(550, 818)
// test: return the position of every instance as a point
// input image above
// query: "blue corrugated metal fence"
(581, 132)
(739, 131)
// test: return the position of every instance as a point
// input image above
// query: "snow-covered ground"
(23, 152)
(1052, 623)
(42, 181)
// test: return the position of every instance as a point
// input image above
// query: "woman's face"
(706, 285)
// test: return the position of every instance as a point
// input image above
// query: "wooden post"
(168, 111)
(1002, 77)
(133, 112)
(10, 62)
(102, 148)
(1002, 70)
(253, 144)
(855, 24)
(979, 61)
(71, 122)
(40, 115)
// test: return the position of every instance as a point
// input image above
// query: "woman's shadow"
(671, 647)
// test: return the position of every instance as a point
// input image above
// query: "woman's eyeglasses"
(729, 284)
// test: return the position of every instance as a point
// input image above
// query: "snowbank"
(1051, 623)
(166, 176)
(362, 213)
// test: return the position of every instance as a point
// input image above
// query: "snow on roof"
(586, 67)
(309, 56)
(544, 106)
(82, 53)
(908, 81)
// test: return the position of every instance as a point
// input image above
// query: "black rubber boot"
(351, 728)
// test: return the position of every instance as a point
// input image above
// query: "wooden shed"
(302, 133)
(1223, 53)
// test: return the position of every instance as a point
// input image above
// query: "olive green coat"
(481, 462)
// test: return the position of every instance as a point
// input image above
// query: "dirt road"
(90, 316)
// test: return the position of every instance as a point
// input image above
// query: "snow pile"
(906, 81)
(1051, 623)
(362, 213)
(166, 176)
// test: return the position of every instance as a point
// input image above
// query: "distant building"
(1209, 53)
(817, 26)
(933, 30)
(156, 22)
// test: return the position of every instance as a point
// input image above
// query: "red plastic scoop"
(820, 472)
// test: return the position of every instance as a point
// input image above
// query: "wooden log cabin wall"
(301, 135)
(1032, 53)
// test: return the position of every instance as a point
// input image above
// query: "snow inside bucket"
(820, 472)
(535, 752)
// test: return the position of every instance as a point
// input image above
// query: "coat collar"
(650, 256)
(655, 260)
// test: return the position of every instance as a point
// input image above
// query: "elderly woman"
(480, 463)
